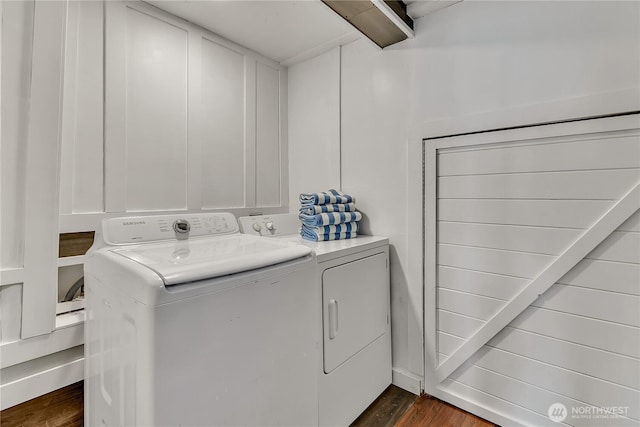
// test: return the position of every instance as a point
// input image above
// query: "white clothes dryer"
(353, 278)
(217, 329)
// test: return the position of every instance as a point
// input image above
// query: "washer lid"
(206, 258)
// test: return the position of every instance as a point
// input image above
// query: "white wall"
(483, 56)
(470, 58)
(314, 126)
(37, 354)
(375, 103)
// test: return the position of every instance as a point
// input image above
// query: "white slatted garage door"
(532, 273)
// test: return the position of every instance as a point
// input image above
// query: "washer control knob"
(269, 226)
(181, 227)
(257, 227)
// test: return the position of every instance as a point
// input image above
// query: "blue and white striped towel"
(347, 227)
(315, 234)
(336, 207)
(329, 218)
(331, 196)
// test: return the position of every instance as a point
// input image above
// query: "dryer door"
(355, 307)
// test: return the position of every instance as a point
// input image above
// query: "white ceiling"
(286, 31)
(419, 8)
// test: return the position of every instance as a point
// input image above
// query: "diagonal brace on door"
(592, 237)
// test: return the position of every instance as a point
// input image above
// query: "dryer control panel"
(270, 225)
(137, 229)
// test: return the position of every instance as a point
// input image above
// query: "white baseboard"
(41, 376)
(407, 381)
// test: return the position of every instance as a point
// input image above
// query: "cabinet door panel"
(82, 158)
(156, 113)
(267, 136)
(223, 121)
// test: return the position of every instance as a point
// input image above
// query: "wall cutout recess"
(75, 244)
(383, 22)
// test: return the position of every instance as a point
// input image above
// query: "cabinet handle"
(333, 319)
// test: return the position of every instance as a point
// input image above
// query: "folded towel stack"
(328, 216)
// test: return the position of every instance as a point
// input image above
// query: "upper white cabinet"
(191, 121)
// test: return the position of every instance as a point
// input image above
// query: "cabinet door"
(223, 126)
(268, 144)
(355, 310)
(192, 121)
(146, 112)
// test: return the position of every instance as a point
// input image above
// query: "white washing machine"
(353, 278)
(217, 329)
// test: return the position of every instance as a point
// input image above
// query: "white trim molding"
(43, 169)
(406, 381)
(594, 105)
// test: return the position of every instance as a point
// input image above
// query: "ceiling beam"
(384, 22)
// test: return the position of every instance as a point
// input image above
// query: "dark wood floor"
(428, 411)
(387, 409)
(394, 408)
(60, 408)
(399, 408)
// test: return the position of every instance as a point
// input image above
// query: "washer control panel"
(126, 230)
(270, 225)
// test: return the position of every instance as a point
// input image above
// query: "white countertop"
(335, 248)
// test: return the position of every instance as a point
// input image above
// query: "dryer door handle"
(333, 319)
